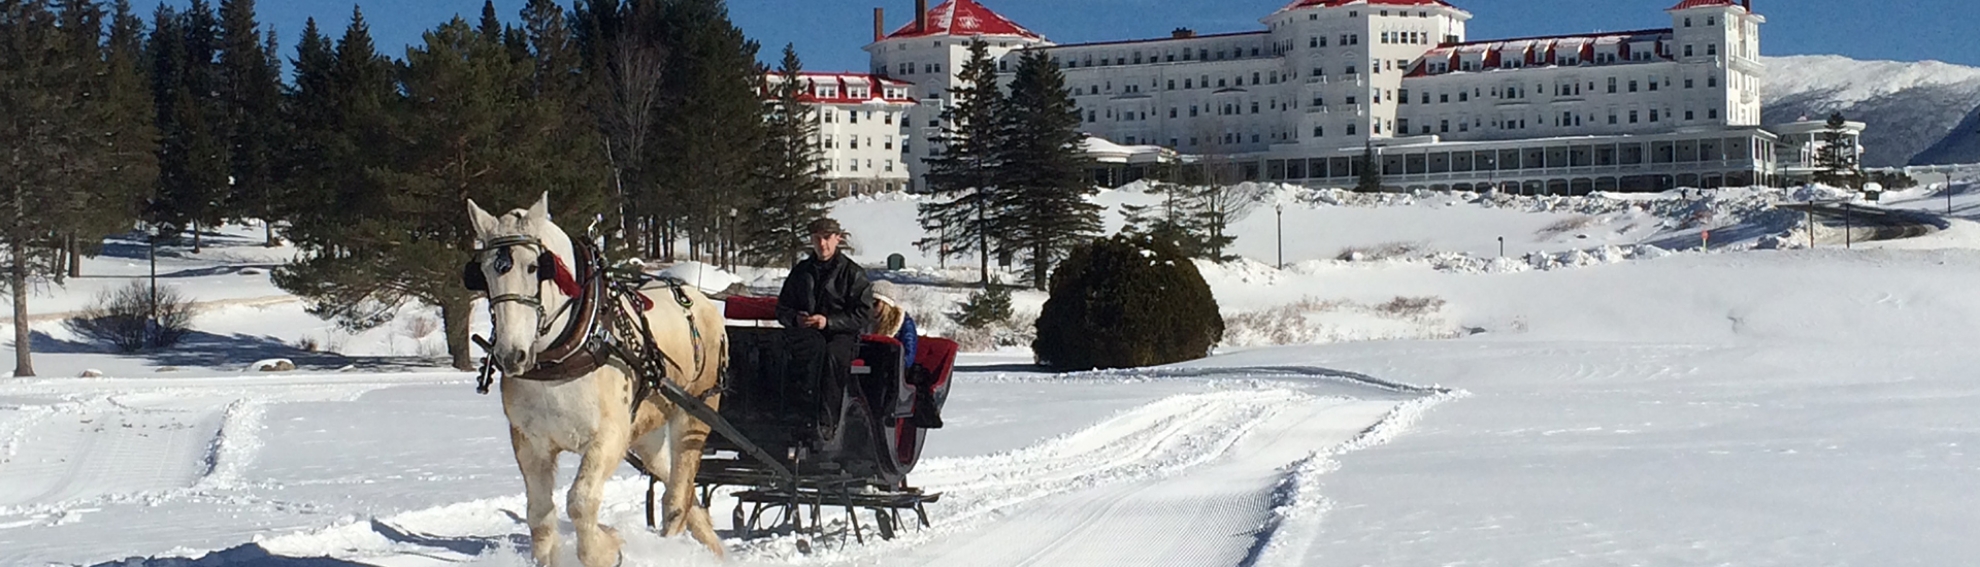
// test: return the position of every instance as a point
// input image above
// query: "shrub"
(1126, 302)
(984, 308)
(1378, 252)
(125, 318)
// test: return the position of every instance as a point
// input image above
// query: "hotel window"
(1443, 127)
(1172, 112)
(1632, 117)
(1254, 107)
(1612, 118)
(1711, 49)
(1653, 84)
(1172, 84)
(1712, 114)
(887, 118)
(1319, 131)
(1313, 42)
(1464, 96)
(1687, 22)
(829, 144)
(855, 142)
(1688, 82)
(1687, 50)
(1350, 130)
(1632, 86)
(855, 165)
(1192, 110)
(1712, 81)
(890, 165)
(889, 140)
(1690, 115)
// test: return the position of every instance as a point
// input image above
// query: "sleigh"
(791, 456)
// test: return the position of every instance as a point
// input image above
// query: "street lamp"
(1502, 247)
(1281, 217)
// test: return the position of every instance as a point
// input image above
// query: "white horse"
(525, 266)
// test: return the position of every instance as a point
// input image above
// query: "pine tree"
(114, 162)
(192, 119)
(1370, 178)
(710, 135)
(466, 131)
(793, 194)
(65, 149)
(1837, 159)
(964, 164)
(623, 53)
(252, 97)
(1045, 194)
(309, 117)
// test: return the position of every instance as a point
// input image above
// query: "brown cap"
(824, 226)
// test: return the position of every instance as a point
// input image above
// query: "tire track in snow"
(234, 446)
(1299, 506)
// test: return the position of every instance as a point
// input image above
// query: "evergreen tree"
(793, 194)
(114, 163)
(965, 162)
(1837, 158)
(466, 131)
(65, 149)
(192, 119)
(1044, 195)
(710, 132)
(309, 116)
(622, 51)
(1370, 178)
(251, 93)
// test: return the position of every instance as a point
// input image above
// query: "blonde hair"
(887, 316)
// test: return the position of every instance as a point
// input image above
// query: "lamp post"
(1502, 247)
(733, 251)
(1281, 218)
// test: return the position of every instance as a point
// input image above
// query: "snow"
(1854, 81)
(707, 278)
(1605, 393)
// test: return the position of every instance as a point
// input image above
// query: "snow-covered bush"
(1379, 252)
(132, 319)
(1127, 302)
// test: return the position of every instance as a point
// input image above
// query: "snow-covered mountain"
(1919, 112)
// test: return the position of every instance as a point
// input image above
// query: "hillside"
(1919, 112)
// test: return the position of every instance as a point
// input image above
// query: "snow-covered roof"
(1297, 4)
(843, 86)
(963, 18)
(1104, 151)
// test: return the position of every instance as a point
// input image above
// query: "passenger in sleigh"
(891, 320)
(825, 304)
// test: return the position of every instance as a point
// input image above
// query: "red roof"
(1689, 4)
(876, 87)
(964, 18)
(1338, 3)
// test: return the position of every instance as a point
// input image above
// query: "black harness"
(606, 327)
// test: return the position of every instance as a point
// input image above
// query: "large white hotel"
(1302, 99)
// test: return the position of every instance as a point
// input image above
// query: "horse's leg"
(598, 545)
(539, 470)
(683, 510)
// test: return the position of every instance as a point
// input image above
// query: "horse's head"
(517, 266)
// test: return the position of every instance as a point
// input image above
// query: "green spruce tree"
(251, 92)
(1045, 195)
(710, 135)
(466, 130)
(1370, 178)
(1836, 159)
(964, 165)
(792, 194)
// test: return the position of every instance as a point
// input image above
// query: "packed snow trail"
(1164, 464)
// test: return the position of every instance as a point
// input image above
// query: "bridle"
(502, 248)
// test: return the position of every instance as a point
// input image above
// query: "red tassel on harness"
(566, 282)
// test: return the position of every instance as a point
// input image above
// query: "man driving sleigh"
(825, 305)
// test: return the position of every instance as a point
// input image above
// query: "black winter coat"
(836, 288)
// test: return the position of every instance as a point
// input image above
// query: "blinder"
(473, 279)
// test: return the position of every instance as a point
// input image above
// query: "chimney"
(920, 16)
(1748, 4)
(879, 24)
(1182, 33)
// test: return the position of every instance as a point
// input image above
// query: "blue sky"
(829, 33)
